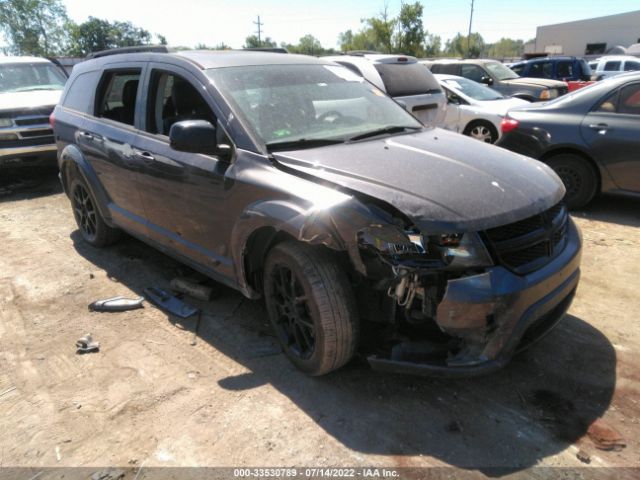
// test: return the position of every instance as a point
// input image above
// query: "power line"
(469, 35)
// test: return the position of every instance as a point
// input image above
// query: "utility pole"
(469, 35)
(259, 24)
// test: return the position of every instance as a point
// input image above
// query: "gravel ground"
(149, 398)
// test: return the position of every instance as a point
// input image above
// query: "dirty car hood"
(441, 180)
(27, 100)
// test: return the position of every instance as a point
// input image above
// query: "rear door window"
(612, 66)
(79, 97)
(117, 95)
(404, 79)
(630, 100)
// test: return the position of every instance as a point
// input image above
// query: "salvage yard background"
(150, 398)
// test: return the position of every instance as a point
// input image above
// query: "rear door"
(106, 140)
(183, 193)
(612, 131)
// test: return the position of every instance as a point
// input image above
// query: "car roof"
(237, 58)
(23, 60)
(466, 60)
(207, 59)
(618, 57)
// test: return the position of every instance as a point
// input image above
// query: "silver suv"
(404, 79)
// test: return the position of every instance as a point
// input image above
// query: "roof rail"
(137, 49)
(268, 49)
(362, 53)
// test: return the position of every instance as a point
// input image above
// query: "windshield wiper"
(384, 130)
(302, 143)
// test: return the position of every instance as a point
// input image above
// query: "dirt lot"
(150, 398)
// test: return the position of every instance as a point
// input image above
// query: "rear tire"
(481, 130)
(578, 176)
(92, 226)
(311, 307)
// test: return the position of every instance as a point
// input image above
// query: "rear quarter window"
(403, 79)
(80, 94)
(631, 66)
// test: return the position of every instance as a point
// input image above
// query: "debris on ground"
(192, 287)
(583, 456)
(169, 303)
(85, 344)
(116, 304)
(605, 437)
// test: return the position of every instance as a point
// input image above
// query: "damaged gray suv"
(291, 178)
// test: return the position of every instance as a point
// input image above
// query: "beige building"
(589, 37)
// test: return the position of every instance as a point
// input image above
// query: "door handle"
(600, 127)
(146, 156)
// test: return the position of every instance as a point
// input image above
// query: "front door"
(184, 194)
(612, 131)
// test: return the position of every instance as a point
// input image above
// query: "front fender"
(71, 156)
(279, 216)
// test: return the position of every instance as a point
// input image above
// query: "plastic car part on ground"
(170, 303)
(116, 304)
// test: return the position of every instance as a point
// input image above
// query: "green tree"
(461, 46)
(97, 34)
(34, 27)
(411, 35)
(162, 40)
(252, 42)
(506, 48)
(432, 45)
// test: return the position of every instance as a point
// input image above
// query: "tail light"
(52, 120)
(508, 124)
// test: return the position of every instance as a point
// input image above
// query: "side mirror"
(196, 136)
(453, 98)
(486, 80)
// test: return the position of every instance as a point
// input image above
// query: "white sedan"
(474, 109)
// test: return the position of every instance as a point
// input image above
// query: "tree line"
(43, 28)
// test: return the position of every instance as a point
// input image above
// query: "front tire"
(578, 176)
(92, 226)
(311, 307)
(483, 131)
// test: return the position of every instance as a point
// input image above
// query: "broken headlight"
(390, 240)
(462, 249)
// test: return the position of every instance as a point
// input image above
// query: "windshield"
(500, 71)
(308, 103)
(24, 77)
(472, 89)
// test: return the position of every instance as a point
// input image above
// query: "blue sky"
(188, 22)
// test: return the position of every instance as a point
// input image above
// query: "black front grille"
(28, 121)
(36, 133)
(529, 244)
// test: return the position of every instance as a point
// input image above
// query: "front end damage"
(462, 304)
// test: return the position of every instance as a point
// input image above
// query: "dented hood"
(441, 180)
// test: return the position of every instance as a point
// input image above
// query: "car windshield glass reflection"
(23, 77)
(473, 89)
(285, 104)
(501, 72)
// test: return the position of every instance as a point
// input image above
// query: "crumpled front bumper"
(497, 313)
